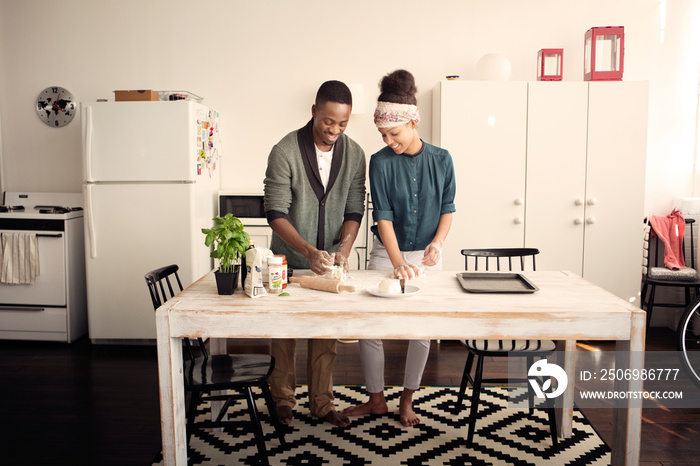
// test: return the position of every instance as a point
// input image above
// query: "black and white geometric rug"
(503, 436)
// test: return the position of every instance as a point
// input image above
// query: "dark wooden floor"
(85, 404)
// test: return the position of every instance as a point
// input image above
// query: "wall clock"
(56, 106)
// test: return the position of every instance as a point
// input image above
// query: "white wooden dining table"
(565, 308)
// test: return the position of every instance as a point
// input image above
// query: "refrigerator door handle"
(87, 154)
(90, 223)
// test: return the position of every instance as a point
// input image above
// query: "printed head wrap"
(389, 114)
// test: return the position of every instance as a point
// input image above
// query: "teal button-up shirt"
(412, 191)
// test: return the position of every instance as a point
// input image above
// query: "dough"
(389, 286)
(419, 274)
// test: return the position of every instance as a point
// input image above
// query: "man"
(314, 202)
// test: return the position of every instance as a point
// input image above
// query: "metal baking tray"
(480, 282)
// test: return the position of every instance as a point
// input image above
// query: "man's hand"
(320, 261)
(342, 261)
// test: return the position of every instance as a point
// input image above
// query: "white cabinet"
(556, 173)
(615, 179)
(483, 126)
(557, 166)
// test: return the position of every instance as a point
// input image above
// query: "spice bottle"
(276, 268)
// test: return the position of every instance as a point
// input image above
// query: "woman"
(413, 188)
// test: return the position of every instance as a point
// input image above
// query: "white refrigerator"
(151, 179)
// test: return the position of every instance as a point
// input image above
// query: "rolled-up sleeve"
(448, 192)
(355, 205)
(379, 188)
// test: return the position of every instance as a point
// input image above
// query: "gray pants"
(372, 351)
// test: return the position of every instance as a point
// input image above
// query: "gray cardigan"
(293, 190)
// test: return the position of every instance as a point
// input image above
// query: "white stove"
(54, 306)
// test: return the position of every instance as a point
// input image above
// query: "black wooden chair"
(501, 260)
(654, 274)
(204, 373)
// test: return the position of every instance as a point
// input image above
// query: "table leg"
(217, 346)
(172, 393)
(627, 423)
(565, 413)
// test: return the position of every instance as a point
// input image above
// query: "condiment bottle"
(244, 264)
(276, 268)
(284, 270)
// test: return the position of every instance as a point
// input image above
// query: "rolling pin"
(321, 284)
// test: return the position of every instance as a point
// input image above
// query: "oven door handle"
(22, 308)
(45, 235)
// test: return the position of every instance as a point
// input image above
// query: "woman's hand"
(432, 254)
(407, 271)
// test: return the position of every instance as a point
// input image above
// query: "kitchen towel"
(20, 258)
(670, 230)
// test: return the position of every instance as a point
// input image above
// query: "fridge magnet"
(208, 141)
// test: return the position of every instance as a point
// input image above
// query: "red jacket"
(670, 230)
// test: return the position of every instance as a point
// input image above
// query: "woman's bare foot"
(375, 405)
(337, 419)
(406, 414)
(284, 414)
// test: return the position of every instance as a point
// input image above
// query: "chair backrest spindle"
(154, 280)
(692, 243)
(498, 253)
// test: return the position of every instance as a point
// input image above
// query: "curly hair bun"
(399, 87)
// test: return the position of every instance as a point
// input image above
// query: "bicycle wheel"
(688, 334)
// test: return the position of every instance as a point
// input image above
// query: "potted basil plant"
(230, 243)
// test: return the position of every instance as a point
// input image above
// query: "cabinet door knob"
(592, 201)
(579, 201)
(590, 220)
(518, 220)
(519, 201)
(578, 221)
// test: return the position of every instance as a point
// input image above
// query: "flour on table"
(335, 272)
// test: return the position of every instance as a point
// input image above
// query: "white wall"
(260, 62)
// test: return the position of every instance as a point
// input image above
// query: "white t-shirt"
(324, 160)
